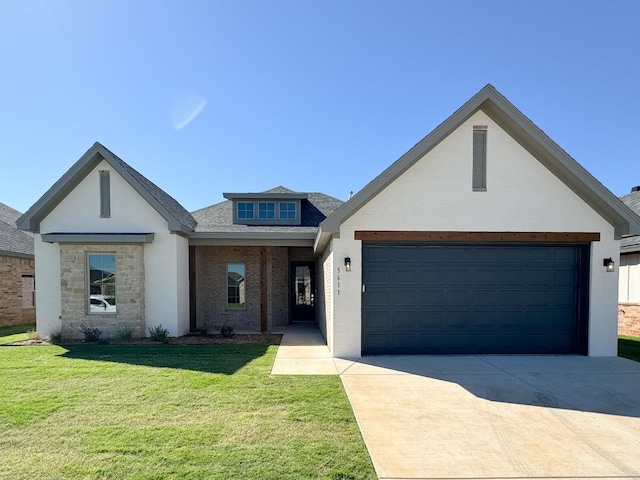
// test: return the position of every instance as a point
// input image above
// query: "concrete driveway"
(498, 417)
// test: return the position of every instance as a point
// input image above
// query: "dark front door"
(302, 291)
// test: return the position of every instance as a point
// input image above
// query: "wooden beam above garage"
(491, 237)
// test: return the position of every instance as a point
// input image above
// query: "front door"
(302, 291)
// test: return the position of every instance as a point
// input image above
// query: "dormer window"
(266, 210)
(245, 211)
(287, 211)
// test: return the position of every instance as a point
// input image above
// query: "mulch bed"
(255, 338)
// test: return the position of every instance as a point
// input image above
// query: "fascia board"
(255, 235)
(30, 221)
(562, 165)
(97, 237)
(269, 196)
(525, 132)
(7, 253)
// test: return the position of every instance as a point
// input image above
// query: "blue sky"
(205, 97)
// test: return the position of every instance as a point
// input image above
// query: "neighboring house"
(629, 292)
(17, 265)
(486, 237)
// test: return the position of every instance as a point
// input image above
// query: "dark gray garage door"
(448, 299)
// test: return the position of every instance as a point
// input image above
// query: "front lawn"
(171, 411)
(629, 347)
(16, 333)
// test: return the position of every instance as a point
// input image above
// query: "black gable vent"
(635, 189)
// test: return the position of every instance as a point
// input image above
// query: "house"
(629, 292)
(17, 265)
(485, 237)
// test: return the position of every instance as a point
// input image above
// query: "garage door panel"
(406, 320)
(404, 276)
(430, 276)
(379, 277)
(471, 299)
(565, 277)
(378, 320)
(432, 298)
(405, 297)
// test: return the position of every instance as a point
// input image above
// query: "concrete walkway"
(304, 351)
(485, 417)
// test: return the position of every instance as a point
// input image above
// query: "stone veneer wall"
(629, 319)
(129, 290)
(12, 309)
(211, 285)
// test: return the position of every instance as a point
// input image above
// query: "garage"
(425, 298)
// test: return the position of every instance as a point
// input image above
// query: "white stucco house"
(485, 237)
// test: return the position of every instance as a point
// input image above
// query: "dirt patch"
(255, 338)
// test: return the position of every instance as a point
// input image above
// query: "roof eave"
(30, 221)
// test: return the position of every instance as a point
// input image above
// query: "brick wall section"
(629, 319)
(211, 286)
(129, 290)
(277, 286)
(12, 311)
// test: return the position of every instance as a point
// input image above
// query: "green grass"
(629, 347)
(17, 333)
(171, 411)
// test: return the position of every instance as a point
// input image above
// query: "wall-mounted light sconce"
(608, 264)
(347, 264)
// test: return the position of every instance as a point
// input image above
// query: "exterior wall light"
(608, 264)
(347, 264)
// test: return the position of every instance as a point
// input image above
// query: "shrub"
(226, 331)
(91, 334)
(159, 334)
(55, 337)
(125, 334)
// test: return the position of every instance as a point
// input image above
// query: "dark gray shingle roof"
(219, 217)
(631, 200)
(13, 240)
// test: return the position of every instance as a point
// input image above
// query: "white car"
(101, 304)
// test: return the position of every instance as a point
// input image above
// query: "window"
(245, 210)
(287, 210)
(236, 286)
(105, 194)
(266, 210)
(102, 282)
(28, 291)
(479, 182)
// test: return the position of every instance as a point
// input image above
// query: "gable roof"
(179, 219)
(521, 129)
(631, 200)
(218, 218)
(13, 242)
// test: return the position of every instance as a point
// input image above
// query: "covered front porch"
(251, 288)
